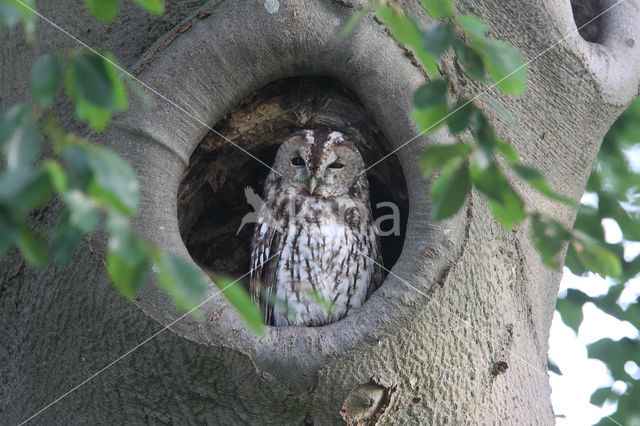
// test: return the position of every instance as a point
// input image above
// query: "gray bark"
(464, 296)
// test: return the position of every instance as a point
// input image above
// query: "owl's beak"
(313, 184)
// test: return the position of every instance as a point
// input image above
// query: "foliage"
(616, 186)
(91, 182)
(475, 164)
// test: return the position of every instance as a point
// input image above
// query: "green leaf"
(12, 120)
(155, 7)
(462, 116)
(105, 176)
(98, 118)
(114, 182)
(438, 8)
(484, 134)
(548, 237)
(602, 395)
(437, 38)
(355, 18)
(127, 257)
(491, 181)
(76, 163)
(20, 138)
(181, 279)
(449, 191)
(82, 212)
(24, 147)
(65, 240)
(509, 211)
(241, 301)
(25, 188)
(45, 79)
(610, 207)
(506, 66)
(433, 93)
(472, 25)
(590, 222)
(608, 303)
(403, 29)
(104, 10)
(431, 105)
(570, 308)
(406, 31)
(593, 255)
(91, 79)
(509, 152)
(505, 203)
(435, 157)
(57, 176)
(594, 184)
(553, 367)
(471, 61)
(536, 180)
(572, 262)
(615, 354)
(428, 62)
(626, 129)
(13, 12)
(627, 408)
(32, 247)
(92, 82)
(430, 119)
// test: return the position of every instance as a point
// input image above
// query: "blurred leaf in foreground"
(241, 300)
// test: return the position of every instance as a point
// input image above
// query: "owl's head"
(319, 163)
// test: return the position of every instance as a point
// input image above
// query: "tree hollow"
(211, 197)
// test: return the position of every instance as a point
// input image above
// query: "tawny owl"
(315, 254)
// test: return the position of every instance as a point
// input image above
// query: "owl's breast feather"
(324, 256)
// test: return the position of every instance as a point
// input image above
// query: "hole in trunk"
(584, 14)
(211, 196)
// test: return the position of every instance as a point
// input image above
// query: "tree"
(459, 331)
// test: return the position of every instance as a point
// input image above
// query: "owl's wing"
(265, 255)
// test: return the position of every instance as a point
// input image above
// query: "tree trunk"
(458, 332)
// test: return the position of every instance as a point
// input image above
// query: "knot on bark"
(366, 403)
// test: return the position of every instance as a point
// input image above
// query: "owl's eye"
(336, 165)
(297, 161)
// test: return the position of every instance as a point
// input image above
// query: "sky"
(581, 376)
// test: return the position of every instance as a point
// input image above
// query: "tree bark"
(458, 332)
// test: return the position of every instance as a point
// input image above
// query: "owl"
(315, 255)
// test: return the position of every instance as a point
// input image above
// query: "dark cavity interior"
(211, 197)
(586, 14)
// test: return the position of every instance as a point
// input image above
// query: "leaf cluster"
(93, 184)
(474, 164)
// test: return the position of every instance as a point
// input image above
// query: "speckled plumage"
(323, 243)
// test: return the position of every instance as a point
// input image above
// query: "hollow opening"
(586, 14)
(211, 197)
